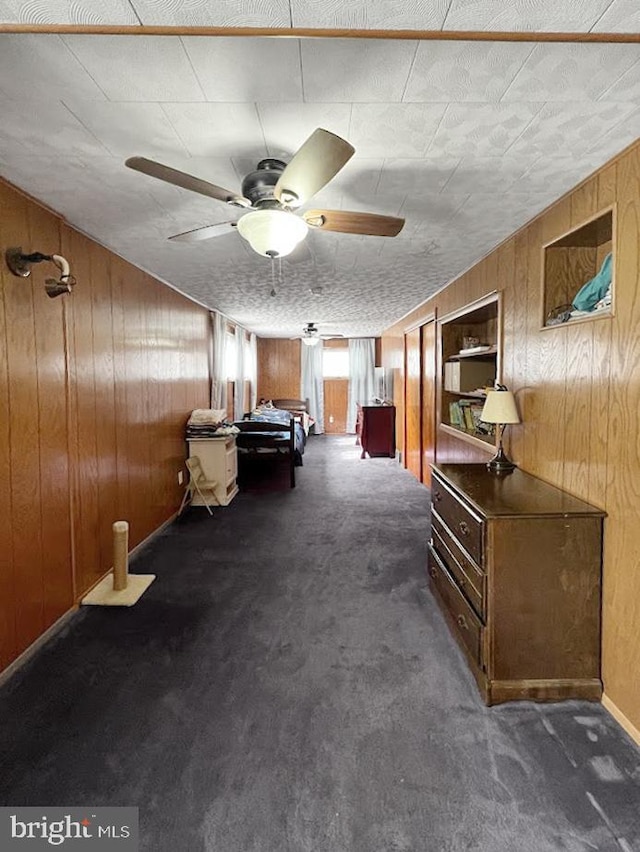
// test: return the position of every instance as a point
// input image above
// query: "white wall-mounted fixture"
(20, 264)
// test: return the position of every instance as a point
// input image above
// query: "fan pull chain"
(273, 275)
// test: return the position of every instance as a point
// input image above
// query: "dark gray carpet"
(288, 685)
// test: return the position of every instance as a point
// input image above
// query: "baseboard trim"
(145, 541)
(621, 719)
(36, 645)
(58, 625)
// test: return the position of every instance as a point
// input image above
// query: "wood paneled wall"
(95, 390)
(578, 388)
(278, 368)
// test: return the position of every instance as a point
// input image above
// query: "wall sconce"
(20, 264)
(500, 408)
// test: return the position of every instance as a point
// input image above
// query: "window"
(335, 363)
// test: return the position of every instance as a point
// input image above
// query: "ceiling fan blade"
(186, 181)
(205, 233)
(313, 165)
(347, 222)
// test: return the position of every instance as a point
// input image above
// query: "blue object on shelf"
(590, 294)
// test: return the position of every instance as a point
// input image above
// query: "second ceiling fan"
(270, 194)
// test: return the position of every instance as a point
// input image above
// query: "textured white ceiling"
(466, 15)
(467, 140)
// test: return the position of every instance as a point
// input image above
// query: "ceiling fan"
(311, 335)
(272, 191)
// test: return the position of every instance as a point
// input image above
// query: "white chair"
(199, 483)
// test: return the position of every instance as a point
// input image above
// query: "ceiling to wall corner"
(465, 139)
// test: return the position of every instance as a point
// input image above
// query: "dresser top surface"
(513, 494)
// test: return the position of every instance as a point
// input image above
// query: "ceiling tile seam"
(191, 65)
(350, 125)
(300, 62)
(425, 151)
(533, 118)
(86, 70)
(256, 106)
(88, 129)
(135, 12)
(446, 15)
(612, 128)
(615, 82)
(518, 72)
(409, 72)
(172, 125)
(449, 179)
(382, 165)
(601, 16)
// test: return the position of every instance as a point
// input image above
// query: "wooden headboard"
(295, 406)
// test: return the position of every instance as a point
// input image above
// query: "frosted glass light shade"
(500, 407)
(311, 341)
(272, 233)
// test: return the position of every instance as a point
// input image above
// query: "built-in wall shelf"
(487, 354)
(487, 442)
(570, 262)
(464, 376)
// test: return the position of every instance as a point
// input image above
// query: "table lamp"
(500, 408)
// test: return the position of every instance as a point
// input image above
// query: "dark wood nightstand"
(376, 429)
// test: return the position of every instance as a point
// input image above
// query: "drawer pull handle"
(437, 496)
(462, 621)
(464, 528)
(433, 572)
(462, 582)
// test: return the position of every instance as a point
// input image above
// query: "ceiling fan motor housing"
(258, 185)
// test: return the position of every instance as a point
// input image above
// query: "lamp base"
(500, 463)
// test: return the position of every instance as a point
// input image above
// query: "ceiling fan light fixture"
(311, 341)
(272, 233)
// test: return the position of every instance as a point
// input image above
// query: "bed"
(269, 431)
(299, 410)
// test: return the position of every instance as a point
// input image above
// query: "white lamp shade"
(273, 233)
(500, 407)
(311, 341)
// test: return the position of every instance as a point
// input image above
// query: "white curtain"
(362, 380)
(312, 383)
(238, 374)
(219, 367)
(252, 369)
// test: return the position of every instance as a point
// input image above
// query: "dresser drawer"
(466, 574)
(465, 526)
(468, 626)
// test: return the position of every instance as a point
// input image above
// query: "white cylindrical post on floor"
(120, 555)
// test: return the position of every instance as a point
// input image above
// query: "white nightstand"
(219, 460)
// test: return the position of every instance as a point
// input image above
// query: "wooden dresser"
(515, 565)
(376, 430)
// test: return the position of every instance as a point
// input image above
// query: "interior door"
(413, 403)
(335, 406)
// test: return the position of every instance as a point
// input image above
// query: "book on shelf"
(466, 414)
